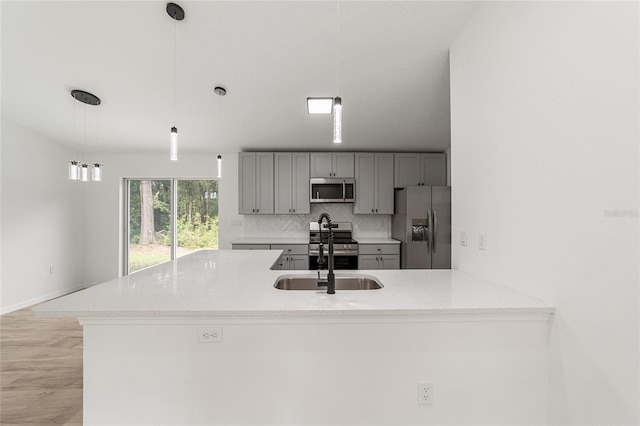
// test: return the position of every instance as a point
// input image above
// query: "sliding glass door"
(197, 215)
(167, 219)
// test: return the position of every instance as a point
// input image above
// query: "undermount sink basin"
(310, 282)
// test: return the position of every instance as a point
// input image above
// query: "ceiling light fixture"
(220, 91)
(337, 101)
(77, 170)
(177, 14)
(319, 105)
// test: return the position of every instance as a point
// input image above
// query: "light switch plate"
(482, 241)
(463, 238)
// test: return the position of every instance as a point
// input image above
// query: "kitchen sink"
(310, 282)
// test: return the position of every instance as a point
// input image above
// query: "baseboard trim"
(40, 299)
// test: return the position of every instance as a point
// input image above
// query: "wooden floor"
(40, 370)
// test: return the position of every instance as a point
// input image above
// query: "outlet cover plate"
(209, 334)
(425, 393)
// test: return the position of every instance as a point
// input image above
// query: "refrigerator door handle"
(430, 226)
(435, 231)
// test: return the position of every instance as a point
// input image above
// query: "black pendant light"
(77, 170)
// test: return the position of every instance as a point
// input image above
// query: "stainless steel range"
(345, 248)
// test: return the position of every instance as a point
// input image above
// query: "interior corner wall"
(545, 162)
(41, 220)
(104, 231)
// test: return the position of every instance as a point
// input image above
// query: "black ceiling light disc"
(220, 91)
(175, 11)
(85, 97)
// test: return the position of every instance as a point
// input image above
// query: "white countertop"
(377, 241)
(239, 283)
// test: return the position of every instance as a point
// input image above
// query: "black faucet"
(330, 282)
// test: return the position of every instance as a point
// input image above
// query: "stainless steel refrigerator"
(422, 222)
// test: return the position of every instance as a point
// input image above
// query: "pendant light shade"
(173, 148)
(74, 173)
(84, 172)
(96, 172)
(219, 166)
(337, 120)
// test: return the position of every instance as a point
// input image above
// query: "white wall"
(544, 99)
(42, 220)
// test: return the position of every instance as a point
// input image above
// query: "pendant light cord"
(337, 48)
(75, 138)
(175, 30)
(84, 138)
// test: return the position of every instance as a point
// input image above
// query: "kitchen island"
(207, 339)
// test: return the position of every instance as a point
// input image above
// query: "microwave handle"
(344, 189)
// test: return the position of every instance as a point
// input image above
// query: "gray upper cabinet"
(332, 164)
(412, 169)
(291, 183)
(374, 183)
(255, 177)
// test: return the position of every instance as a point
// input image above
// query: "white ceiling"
(270, 56)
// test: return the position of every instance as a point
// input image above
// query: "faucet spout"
(331, 278)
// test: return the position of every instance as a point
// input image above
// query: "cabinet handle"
(294, 210)
(371, 210)
(376, 210)
(253, 210)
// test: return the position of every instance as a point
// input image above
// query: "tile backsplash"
(297, 226)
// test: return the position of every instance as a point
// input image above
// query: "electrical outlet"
(52, 270)
(425, 393)
(482, 241)
(209, 335)
(463, 238)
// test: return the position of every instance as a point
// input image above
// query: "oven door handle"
(336, 253)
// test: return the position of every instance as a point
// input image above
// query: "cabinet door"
(434, 169)
(283, 183)
(280, 264)
(365, 184)
(383, 184)
(264, 183)
(390, 261)
(407, 170)
(299, 263)
(321, 164)
(368, 261)
(247, 183)
(300, 184)
(343, 166)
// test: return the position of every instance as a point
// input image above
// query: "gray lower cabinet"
(294, 256)
(379, 256)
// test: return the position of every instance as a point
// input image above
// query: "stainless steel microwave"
(332, 190)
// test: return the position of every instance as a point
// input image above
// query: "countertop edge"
(280, 314)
